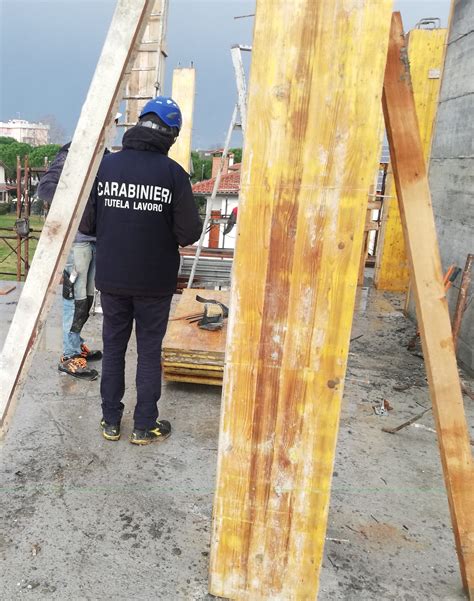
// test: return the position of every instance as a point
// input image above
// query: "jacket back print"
(141, 210)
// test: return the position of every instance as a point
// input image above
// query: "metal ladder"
(240, 109)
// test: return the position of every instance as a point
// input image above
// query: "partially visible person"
(78, 284)
(141, 210)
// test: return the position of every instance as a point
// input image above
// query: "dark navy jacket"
(141, 208)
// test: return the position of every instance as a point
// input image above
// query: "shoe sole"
(92, 359)
(146, 442)
(79, 377)
(108, 437)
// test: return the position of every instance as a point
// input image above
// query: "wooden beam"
(183, 92)
(73, 189)
(408, 160)
(309, 161)
(425, 53)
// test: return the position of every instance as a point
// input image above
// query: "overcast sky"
(49, 49)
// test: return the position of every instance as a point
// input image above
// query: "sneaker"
(89, 355)
(77, 367)
(110, 431)
(160, 432)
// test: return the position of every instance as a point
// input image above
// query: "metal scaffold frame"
(18, 237)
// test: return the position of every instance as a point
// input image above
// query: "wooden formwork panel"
(309, 161)
(184, 84)
(425, 54)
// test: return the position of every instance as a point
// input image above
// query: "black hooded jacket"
(49, 182)
(141, 208)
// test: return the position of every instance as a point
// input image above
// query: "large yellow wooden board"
(425, 53)
(309, 160)
(183, 91)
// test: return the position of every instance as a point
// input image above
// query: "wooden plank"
(170, 365)
(183, 371)
(71, 195)
(196, 358)
(310, 157)
(391, 266)
(425, 53)
(193, 380)
(183, 92)
(408, 160)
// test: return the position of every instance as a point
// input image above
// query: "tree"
(237, 152)
(202, 168)
(8, 154)
(201, 202)
(10, 150)
(7, 140)
(38, 154)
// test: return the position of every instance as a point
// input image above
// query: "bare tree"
(57, 133)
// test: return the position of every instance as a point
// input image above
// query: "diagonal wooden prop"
(406, 153)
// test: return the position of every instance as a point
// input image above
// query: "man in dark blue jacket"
(141, 209)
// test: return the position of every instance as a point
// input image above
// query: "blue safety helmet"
(166, 109)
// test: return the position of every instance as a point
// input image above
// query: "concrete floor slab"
(86, 519)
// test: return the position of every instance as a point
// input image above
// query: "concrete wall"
(451, 168)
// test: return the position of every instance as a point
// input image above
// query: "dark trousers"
(151, 318)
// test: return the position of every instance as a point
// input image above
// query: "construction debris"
(407, 423)
(383, 408)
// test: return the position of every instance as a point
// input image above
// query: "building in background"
(35, 134)
(5, 188)
(227, 198)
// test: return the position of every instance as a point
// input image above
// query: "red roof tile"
(229, 184)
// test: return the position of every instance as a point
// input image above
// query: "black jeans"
(151, 318)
